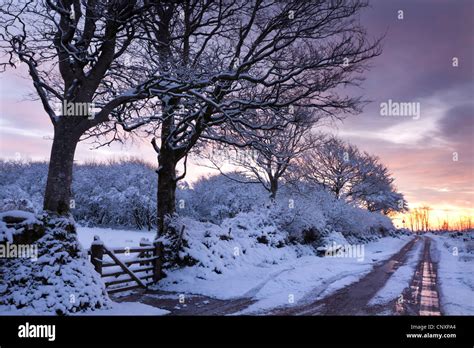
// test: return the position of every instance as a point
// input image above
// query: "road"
(419, 298)
(422, 298)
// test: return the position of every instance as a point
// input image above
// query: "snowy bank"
(454, 255)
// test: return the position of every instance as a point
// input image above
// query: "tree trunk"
(58, 186)
(273, 188)
(167, 161)
(166, 199)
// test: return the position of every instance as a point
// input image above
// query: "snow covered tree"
(80, 56)
(374, 187)
(333, 165)
(272, 152)
(236, 58)
(82, 59)
(352, 175)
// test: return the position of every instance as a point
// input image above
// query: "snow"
(400, 279)
(273, 276)
(6, 234)
(116, 308)
(235, 242)
(60, 281)
(266, 273)
(111, 237)
(128, 308)
(29, 217)
(455, 258)
(311, 278)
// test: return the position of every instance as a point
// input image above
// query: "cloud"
(457, 125)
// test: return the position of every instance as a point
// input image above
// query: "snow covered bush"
(22, 185)
(120, 193)
(58, 280)
(14, 198)
(277, 225)
(258, 225)
(217, 197)
(188, 239)
(117, 193)
(357, 224)
(309, 214)
(301, 214)
(248, 238)
(17, 226)
(306, 215)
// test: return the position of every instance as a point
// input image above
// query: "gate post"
(158, 264)
(97, 253)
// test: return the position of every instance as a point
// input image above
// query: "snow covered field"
(290, 282)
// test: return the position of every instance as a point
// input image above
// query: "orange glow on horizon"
(440, 217)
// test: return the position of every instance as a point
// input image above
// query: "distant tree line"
(419, 220)
(321, 160)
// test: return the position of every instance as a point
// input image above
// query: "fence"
(129, 272)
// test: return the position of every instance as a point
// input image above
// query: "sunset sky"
(415, 66)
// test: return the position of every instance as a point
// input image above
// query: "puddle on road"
(429, 302)
(421, 298)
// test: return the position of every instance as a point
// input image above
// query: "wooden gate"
(136, 268)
